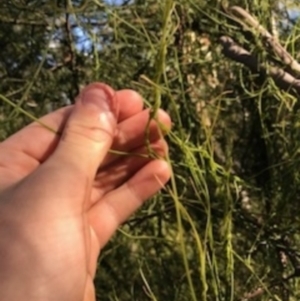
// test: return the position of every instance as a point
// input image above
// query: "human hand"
(63, 197)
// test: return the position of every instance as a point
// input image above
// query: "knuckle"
(78, 132)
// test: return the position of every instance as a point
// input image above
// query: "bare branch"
(258, 292)
(282, 79)
(13, 21)
(72, 55)
(283, 55)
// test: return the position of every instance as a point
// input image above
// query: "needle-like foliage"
(227, 225)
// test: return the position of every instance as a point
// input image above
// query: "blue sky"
(85, 42)
(114, 2)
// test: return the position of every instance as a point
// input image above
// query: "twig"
(282, 79)
(66, 61)
(258, 292)
(4, 19)
(72, 54)
(283, 55)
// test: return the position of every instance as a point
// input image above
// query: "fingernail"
(97, 97)
(104, 102)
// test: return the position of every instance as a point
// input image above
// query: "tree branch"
(282, 79)
(245, 18)
(72, 54)
(13, 21)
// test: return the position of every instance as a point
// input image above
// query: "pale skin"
(62, 197)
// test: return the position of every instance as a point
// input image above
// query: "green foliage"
(227, 225)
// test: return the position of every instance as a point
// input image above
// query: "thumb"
(89, 131)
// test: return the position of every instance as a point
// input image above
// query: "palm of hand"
(55, 220)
